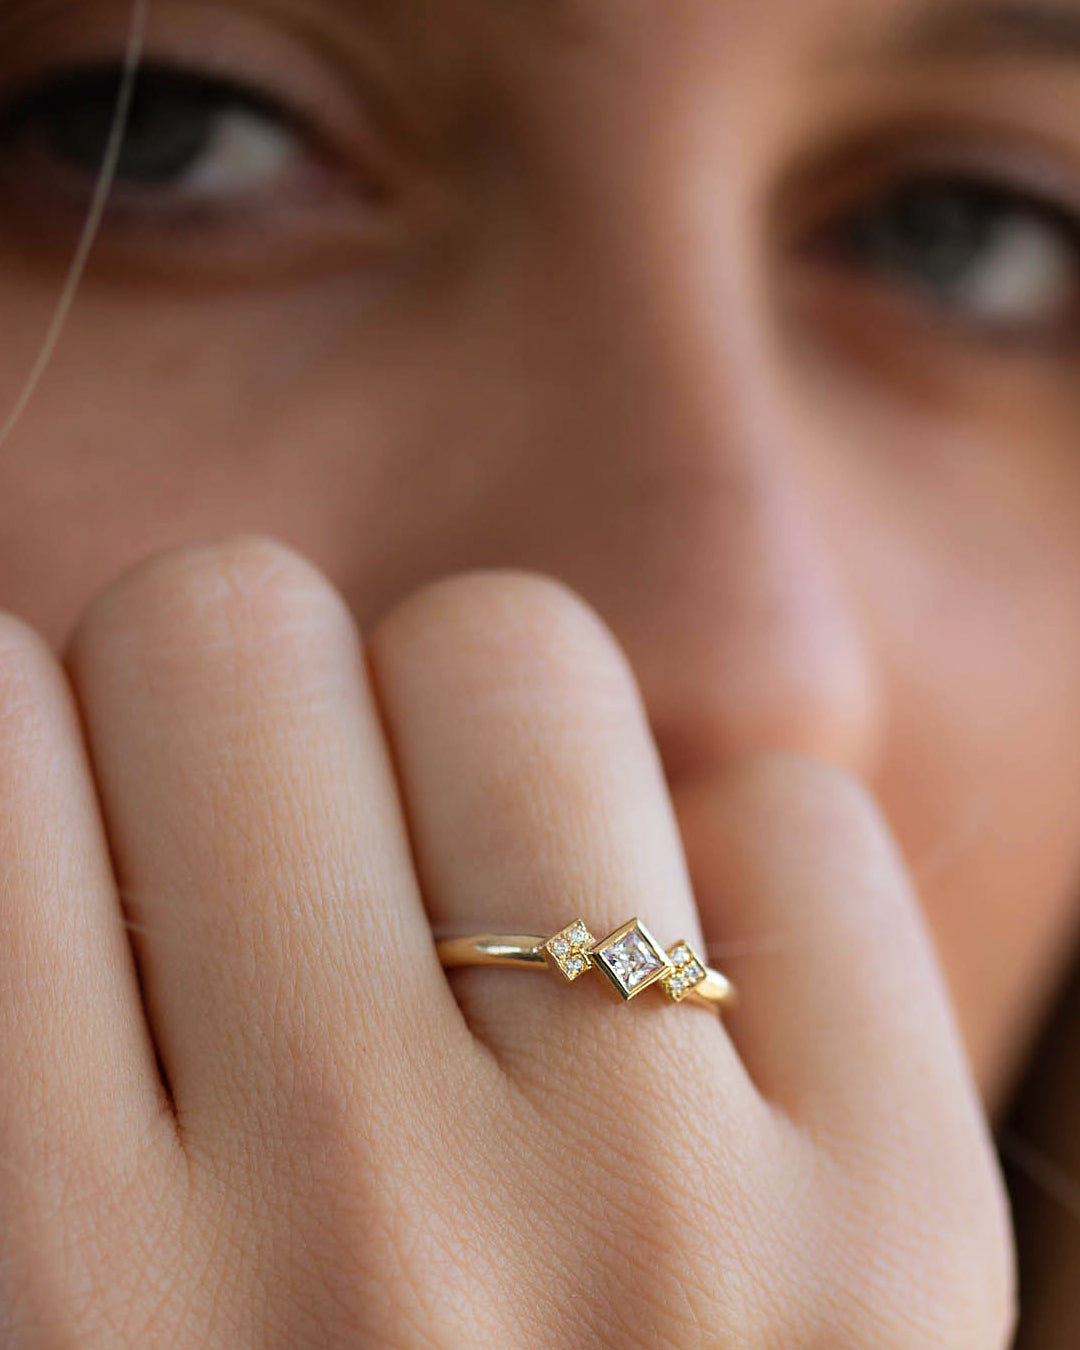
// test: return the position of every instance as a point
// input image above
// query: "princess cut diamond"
(631, 958)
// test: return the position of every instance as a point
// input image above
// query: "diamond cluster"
(631, 958)
(570, 949)
(686, 974)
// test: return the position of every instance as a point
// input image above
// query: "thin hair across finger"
(1041, 1170)
(133, 51)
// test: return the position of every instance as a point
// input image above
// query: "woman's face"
(757, 324)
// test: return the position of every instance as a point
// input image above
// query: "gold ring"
(630, 958)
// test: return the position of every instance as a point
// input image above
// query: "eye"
(216, 176)
(187, 138)
(982, 253)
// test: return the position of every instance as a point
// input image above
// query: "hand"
(283, 1125)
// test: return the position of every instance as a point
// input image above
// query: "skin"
(807, 688)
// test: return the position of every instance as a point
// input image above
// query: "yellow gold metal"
(630, 958)
(570, 950)
(522, 950)
(688, 971)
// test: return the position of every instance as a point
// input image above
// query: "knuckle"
(971, 1279)
(944, 1276)
(28, 674)
(517, 629)
(240, 597)
(81, 1247)
(38, 741)
(965, 1255)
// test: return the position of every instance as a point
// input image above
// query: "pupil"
(170, 124)
(932, 231)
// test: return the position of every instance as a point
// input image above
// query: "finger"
(535, 798)
(80, 1095)
(258, 836)
(842, 1009)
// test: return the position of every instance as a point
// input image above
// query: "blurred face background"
(758, 324)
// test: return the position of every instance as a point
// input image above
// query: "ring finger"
(536, 798)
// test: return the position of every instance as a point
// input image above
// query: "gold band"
(630, 958)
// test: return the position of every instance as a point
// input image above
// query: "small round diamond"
(575, 965)
(560, 947)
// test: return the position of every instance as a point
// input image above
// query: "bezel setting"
(632, 959)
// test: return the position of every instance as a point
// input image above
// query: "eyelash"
(1034, 241)
(861, 233)
(68, 117)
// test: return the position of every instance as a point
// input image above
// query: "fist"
(242, 1105)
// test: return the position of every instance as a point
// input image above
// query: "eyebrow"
(1045, 28)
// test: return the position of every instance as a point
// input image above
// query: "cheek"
(389, 443)
(163, 423)
(978, 631)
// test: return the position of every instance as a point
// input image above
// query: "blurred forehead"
(848, 23)
(914, 26)
(830, 29)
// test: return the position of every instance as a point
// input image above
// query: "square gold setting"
(688, 971)
(632, 959)
(569, 950)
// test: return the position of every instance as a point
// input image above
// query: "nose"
(737, 617)
(706, 501)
